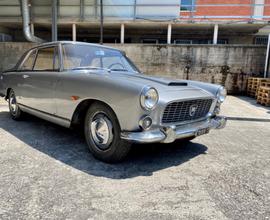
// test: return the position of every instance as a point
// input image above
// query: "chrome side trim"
(48, 117)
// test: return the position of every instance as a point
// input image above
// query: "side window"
(47, 59)
(28, 63)
(112, 62)
(70, 58)
(96, 62)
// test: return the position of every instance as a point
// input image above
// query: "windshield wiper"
(124, 70)
(89, 67)
(97, 68)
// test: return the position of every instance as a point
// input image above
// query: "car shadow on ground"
(69, 147)
(253, 101)
(248, 119)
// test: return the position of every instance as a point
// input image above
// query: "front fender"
(212, 88)
(2, 88)
(122, 96)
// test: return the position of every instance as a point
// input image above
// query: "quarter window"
(47, 59)
(28, 63)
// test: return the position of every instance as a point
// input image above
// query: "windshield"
(94, 57)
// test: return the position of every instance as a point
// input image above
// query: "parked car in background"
(70, 83)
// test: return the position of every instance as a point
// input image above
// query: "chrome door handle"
(25, 76)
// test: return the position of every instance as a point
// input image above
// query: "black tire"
(115, 149)
(14, 109)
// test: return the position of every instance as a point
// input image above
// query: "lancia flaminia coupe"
(73, 83)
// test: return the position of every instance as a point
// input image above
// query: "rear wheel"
(14, 108)
(102, 133)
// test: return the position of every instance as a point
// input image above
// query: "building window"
(187, 5)
(199, 41)
(149, 41)
(261, 40)
(182, 41)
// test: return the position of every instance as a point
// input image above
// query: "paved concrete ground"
(47, 172)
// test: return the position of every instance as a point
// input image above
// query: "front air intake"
(189, 110)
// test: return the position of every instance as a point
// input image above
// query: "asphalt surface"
(47, 172)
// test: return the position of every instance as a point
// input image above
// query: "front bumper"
(171, 133)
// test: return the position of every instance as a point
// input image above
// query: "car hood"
(169, 89)
(162, 83)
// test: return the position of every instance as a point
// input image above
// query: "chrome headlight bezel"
(221, 94)
(149, 98)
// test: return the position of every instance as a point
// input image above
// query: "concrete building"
(221, 41)
(141, 21)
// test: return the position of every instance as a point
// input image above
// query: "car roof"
(53, 43)
(73, 43)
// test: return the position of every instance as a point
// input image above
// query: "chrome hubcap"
(13, 103)
(101, 131)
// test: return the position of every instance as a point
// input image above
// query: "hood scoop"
(177, 84)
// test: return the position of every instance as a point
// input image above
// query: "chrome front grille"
(189, 110)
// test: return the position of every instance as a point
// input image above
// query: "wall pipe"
(101, 21)
(26, 23)
(54, 20)
(266, 67)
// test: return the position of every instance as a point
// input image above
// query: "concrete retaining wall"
(228, 65)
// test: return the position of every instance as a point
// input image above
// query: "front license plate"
(202, 131)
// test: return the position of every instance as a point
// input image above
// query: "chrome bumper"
(171, 133)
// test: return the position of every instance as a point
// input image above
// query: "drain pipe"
(267, 58)
(26, 23)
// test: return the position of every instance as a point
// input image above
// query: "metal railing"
(138, 10)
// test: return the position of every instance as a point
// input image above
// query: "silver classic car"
(98, 87)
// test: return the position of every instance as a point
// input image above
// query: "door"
(39, 84)
(23, 70)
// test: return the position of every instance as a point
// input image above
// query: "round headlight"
(149, 98)
(221, 95)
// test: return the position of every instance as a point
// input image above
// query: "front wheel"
(102, 133)
(14, 108)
